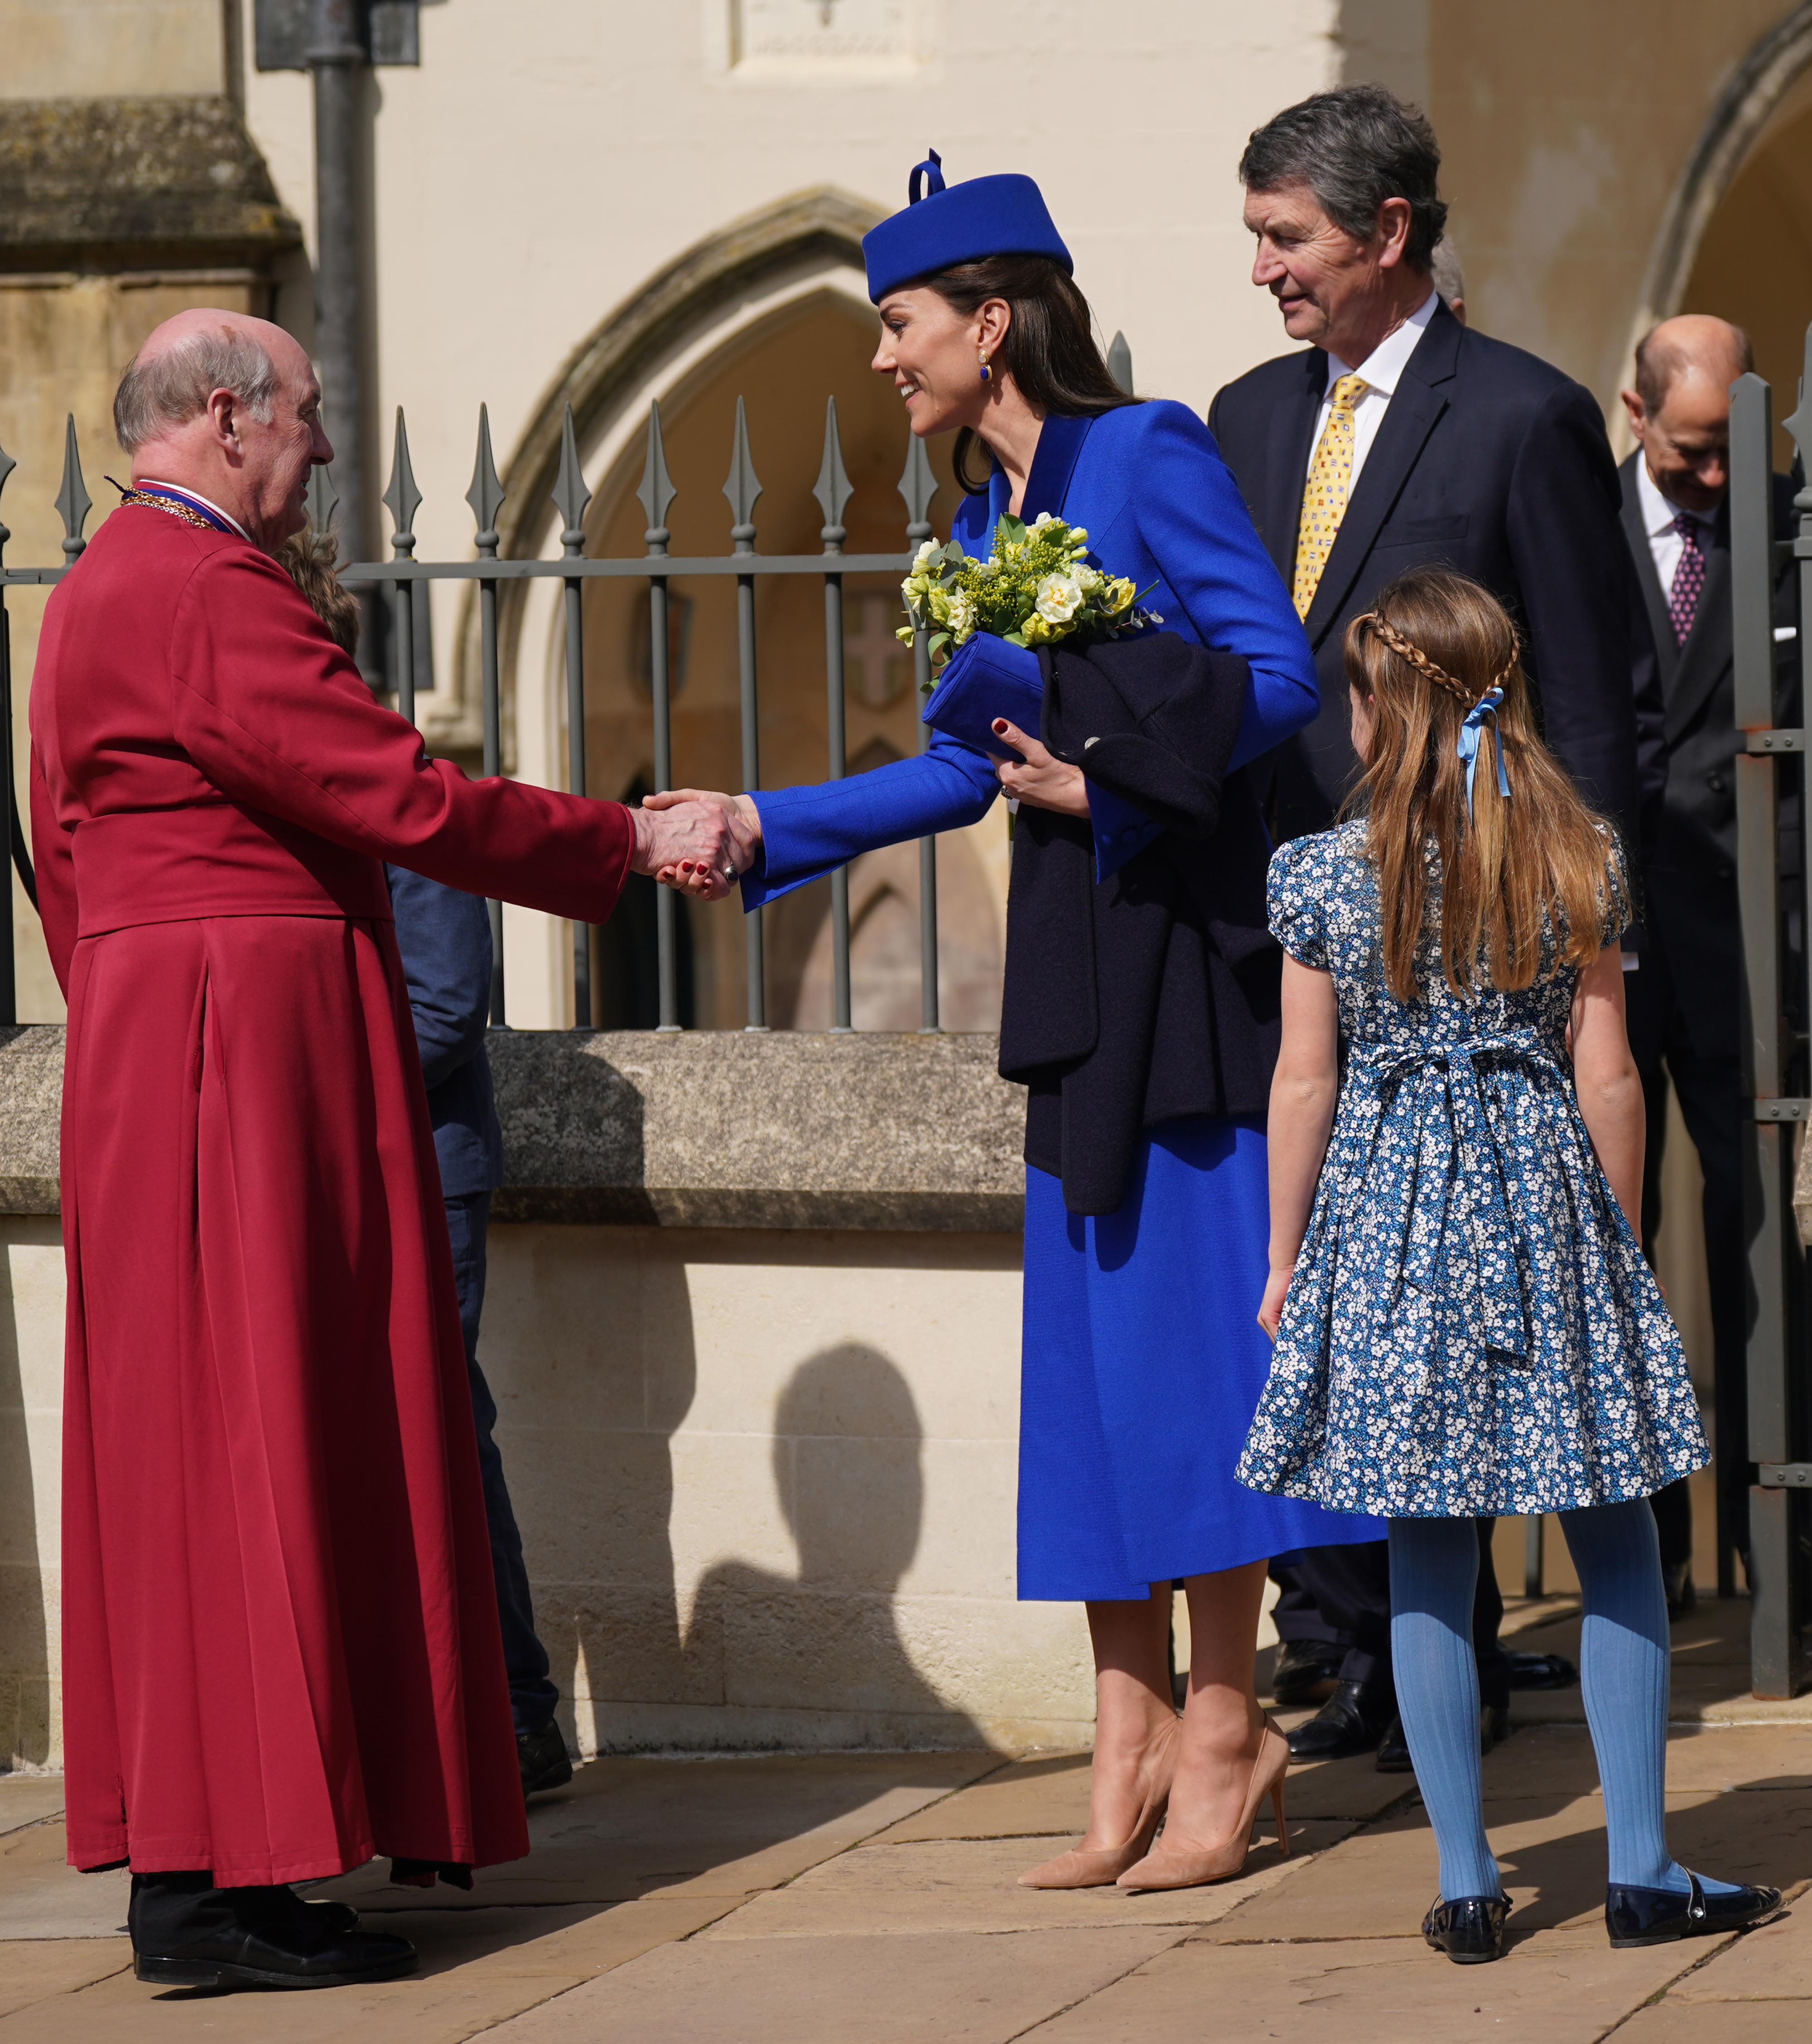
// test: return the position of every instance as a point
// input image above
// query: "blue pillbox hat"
(948, 225)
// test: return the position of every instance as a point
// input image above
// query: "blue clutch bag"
(982, 680)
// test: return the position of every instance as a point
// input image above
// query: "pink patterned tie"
(1689, 578)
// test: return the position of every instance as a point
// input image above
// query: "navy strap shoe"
(1469, 1929)
(1660, 1915)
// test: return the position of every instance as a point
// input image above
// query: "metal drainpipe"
(337, 57)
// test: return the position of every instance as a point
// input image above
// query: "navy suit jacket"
(1158, 504)
(1490, 462)
(445, 940)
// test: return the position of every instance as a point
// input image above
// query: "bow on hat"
(942, 225)
(932, 171)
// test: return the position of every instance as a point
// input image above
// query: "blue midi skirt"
(1143, 1364)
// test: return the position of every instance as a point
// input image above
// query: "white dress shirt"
(152, 483)
(1382, 369)
(1665, 544)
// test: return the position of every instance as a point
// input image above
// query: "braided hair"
(1526, 883)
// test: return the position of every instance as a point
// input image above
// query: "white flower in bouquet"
(1058, 598)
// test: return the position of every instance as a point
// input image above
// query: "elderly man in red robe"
(280, 1638)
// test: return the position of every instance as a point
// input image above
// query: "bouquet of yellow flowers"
(1035, 588)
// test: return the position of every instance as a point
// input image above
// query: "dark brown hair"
(309, 558)
(1050, 351)
(1511, 871)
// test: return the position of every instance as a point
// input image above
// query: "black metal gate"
(1770, 766)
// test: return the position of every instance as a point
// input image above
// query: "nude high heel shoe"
(1176, 1863)
(1099, 1866)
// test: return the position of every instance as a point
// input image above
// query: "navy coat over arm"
(444, 937)
(1490, 462)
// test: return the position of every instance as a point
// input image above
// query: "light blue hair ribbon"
(1470, 732)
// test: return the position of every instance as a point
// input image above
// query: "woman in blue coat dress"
(1142, 1362)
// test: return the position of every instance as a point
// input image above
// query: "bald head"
(1695, 344)
(226, 405)
(183, 362)
(1679, 409)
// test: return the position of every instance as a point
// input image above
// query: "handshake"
(695, 842)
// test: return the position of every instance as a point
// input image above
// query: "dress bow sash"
(1446, 1093)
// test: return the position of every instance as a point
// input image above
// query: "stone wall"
(752, 1330)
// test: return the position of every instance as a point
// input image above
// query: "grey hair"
(1354, 148)
(173, 387)
(1444, 266)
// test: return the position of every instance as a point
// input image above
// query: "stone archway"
(1745, 107)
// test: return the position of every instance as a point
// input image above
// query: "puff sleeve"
(1294, 903)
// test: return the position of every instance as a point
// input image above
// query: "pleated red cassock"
(280, 1643)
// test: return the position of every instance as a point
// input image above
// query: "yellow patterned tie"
(1324, 494)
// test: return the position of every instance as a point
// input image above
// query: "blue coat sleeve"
(1195, 526)
(444, 937)
(808, 832)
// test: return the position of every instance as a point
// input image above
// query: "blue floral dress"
(1471, 1328)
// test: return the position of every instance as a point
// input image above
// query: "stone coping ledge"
(706, 1129)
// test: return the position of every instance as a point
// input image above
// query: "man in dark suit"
(445, 940)
(1685, 1005)
(1398, 438)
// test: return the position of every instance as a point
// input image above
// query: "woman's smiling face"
(933, 353)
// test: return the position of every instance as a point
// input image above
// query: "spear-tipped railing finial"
(657, 492)
(571, 493)
(833, 488)
(73, 502)
(486, 494)
(918, 485)
(742, 487)
(401, 499)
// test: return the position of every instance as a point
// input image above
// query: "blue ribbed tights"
(1623, 1668)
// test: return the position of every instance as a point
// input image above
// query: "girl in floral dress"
(1463, 1321)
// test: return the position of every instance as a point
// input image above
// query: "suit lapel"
(1654, 597)
(1060, 442)
(1290, 436)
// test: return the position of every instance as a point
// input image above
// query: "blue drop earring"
(987, 374)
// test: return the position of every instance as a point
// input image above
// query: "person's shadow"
(848, 1450)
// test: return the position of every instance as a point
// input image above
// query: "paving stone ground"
(870, 1899)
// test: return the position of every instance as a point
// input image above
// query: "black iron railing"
(656, 566)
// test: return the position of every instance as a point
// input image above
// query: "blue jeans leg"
(532, 1696)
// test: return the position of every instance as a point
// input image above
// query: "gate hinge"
(1785, 1476)
(1774, 741)
(1781, 1110)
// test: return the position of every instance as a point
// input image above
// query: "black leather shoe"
(1351, 1720)
(1660, 1915)
(1469, 1930)
(185, 1935)
(1541, 1671)
(544, 1759)
(340, 1916)
(1393, 1749)
(1306, 1673)
(1683, 1599)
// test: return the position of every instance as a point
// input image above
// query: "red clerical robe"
(280, 1643)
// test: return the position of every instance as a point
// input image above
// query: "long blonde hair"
(1529, 883)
